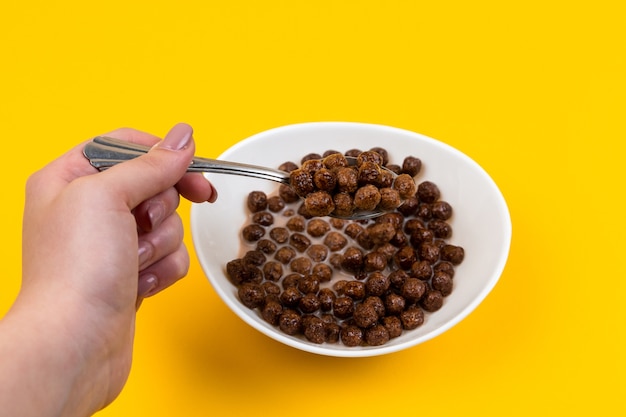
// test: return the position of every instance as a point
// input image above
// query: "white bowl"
(481, 222)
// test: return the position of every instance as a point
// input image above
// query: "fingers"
(164, 166)
(151, 213)
(160, 242)
(163, 273)
(195, 187)
(163, 258)
(148, 175)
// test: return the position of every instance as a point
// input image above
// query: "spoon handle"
(104, 152)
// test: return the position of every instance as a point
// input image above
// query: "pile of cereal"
(333, 186)
(332, 280)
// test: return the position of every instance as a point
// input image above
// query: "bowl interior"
(481, 222)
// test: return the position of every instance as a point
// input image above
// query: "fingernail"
(144, 253)
(156, 212)
(177, 138)
(146, 284)
(213, 195)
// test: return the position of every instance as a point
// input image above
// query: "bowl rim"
(365, 351)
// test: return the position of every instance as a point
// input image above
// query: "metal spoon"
(104, 152)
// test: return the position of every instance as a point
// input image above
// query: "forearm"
(39, 375)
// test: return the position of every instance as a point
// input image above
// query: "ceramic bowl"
(481, 222)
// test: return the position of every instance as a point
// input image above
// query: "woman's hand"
(94, 245)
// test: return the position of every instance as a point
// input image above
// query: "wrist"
(44, 370)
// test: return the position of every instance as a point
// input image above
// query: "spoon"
(104, 152)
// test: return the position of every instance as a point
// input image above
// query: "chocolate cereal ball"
(353, 152)
(317, 252)
(319, 203)
(334, 161)
(254, 257)
(353, 230)
(347, 179)
(389, 199)
(413, 290)
(442, 282)
(275, 204)
(365, 315)
(428, 192)
(272, 271)
(317, 227)
(441, 210)
(251, 294)
(369, 173)
(296, 224)
(376, 335)
(411, 166)
(445, 266)
(302, 182)
(377, 284)
(285, 255)
(325, 180)
(290, 321)
(335, 241)
(369, 156)
(405, 257)
(343, 307)
(352, 260)
(393, 324)
(374, 261)
(351, 335)
(279, 234)
(383, 153)
(366, 197)
(313, 156)
(429, 252)
(299, 241)
(378, 305)
(354, 289)
(397, 278)
(344, 204)
(309, 303)
(253, 232)
(405, 185)
(432, 301)
(412, 318)
(381, 233)
(257, 201)
(322, 271)
(408, 206)
(309, 284)
(422, 270)
(263, 218)
(301, 265)
(287, 194)
(290, 297)
(288, 166)
(332, 331)
(453, 254)
(326, 297)
(441, 229)
(313, 329)
(394, 303)
(271, 312)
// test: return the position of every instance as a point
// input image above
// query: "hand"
(94, 245)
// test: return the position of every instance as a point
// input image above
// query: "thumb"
(162, 167)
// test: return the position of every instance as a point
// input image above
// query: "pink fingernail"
(213, 195)
(177, 138)
(144, 253)
(146, 284)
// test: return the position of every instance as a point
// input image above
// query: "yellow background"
(534, 91)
